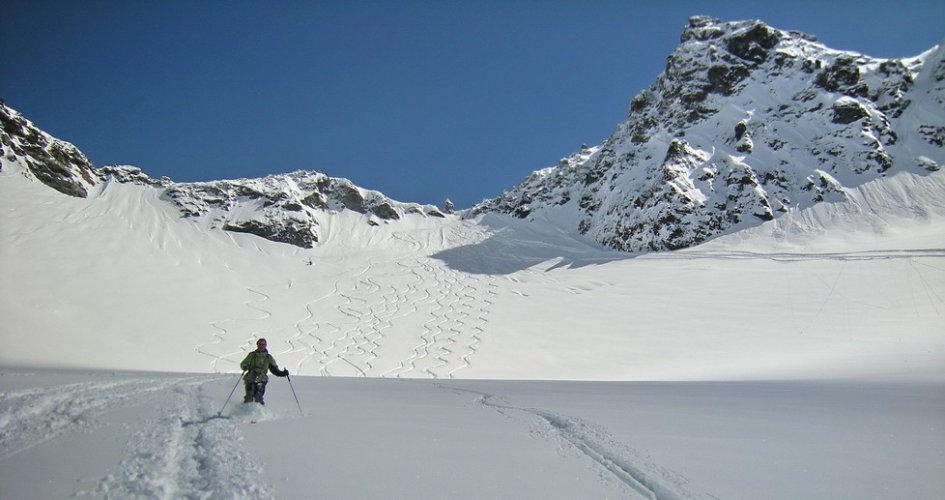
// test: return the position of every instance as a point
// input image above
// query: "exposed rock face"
(282, 208)
(285, 207)
(132, 175)
(56, 163)
(745, 122)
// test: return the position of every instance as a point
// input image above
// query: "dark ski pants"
(254, 392)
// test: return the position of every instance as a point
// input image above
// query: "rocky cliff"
(56, 163)
(282, 208)
(746, 122)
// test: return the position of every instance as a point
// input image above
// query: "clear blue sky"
(422, 100)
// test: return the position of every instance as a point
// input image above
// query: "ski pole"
(219, 413)
(294, 395)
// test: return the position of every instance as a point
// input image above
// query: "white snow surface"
(139, 435)
(488, 358)
(850, 289)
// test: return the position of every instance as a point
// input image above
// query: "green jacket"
(257, 363)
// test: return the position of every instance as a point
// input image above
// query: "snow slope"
(123, 435)
(462, 358)
(845, 299)
(852, 289)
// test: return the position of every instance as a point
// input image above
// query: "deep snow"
(827, 324)
(126, 435)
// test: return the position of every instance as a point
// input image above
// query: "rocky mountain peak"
(745, 123)
(284, 208)
(58, 164)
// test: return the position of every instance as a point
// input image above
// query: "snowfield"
(486, 358)
(127, 435)
(839, 290)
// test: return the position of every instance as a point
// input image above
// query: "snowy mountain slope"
(284, 208)
(745, 123)
(124, 262)
(95, 282)
(193, 273)
(107, 269)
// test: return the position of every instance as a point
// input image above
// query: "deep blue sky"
(422, 100)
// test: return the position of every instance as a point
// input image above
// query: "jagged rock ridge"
(282, 208)
(56, 163)
(746, 122)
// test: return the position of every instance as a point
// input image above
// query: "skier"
(256, 364)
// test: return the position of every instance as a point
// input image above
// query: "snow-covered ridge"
(286, 207)
(745, 123)
(282, 208)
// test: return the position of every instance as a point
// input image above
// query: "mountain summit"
(745, 123)
(282, 208)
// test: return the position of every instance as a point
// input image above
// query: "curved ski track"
(620, 464)
(405, 317)
(444, 311)
(222, 335)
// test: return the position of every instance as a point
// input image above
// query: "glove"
(285, 372)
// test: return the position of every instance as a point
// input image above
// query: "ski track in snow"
(371, 321)
(221, 334)
(455, 323)
(310, 346)
(189, 452)
(33, 416)
(374, 322)
(446, 311)
(350, 337)
(620, 464)
(793, 257)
